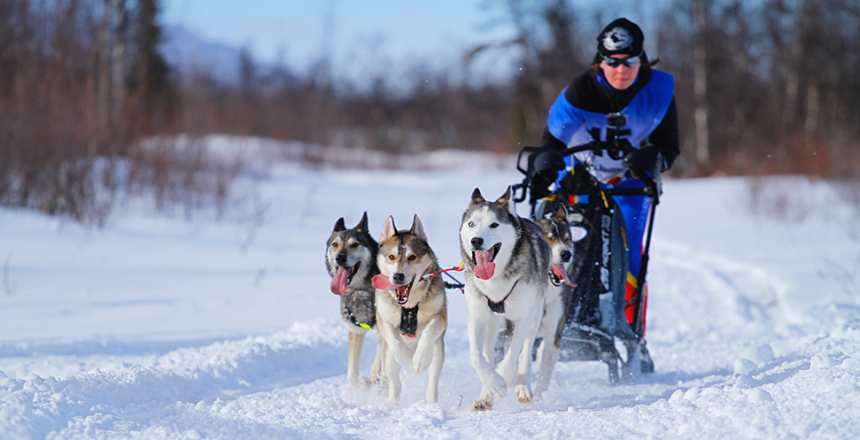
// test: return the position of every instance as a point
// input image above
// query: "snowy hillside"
(166, 329)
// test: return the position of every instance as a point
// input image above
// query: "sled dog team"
(515, 281)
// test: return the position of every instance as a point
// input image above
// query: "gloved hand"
(545, 166)
(645, 159)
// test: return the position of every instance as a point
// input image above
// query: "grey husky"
(507, 273)
(351, 261)
(556, 232)
(411, 306)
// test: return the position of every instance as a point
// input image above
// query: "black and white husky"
(351, 261)
(507, 273)
(411, 306)
(556, 232)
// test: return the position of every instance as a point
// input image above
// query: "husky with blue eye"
(351, 262)
(507, 273)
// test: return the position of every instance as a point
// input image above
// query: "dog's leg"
(389, 360)
(356, 342)
(392, 371)
(492, 383)
(376, 370)
(523, 390)
(524, 330)
(432, 332)
(435, 370)
(508, 365)
(491, 337)
(547, 354)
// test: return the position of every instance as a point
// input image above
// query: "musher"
(619, 83)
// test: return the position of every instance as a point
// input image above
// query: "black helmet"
(622, 36)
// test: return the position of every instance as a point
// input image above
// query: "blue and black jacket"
(649, 104)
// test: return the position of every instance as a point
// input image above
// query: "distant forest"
(767, 87)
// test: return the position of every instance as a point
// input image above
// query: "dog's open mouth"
(484, 263)
(558, 276)
(401, 291)
(342, 278)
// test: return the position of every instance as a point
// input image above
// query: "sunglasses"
(615, 62)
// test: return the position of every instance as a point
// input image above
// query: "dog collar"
(368, 325)
(409, 321)
(499, 307)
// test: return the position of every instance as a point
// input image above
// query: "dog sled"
(607, 308)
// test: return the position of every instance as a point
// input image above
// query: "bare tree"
(700, 69)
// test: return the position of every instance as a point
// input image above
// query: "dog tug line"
(556, 270)
(499, 307)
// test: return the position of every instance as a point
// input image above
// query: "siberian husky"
(351, 261)
(493, 235)
(556, 231)
(412, 309)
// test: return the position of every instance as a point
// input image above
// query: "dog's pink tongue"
(381, 282)
(484, 268)
(340, 281)
(558, 270)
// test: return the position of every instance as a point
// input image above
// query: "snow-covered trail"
(751, 339)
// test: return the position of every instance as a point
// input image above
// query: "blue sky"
(295, 31)
(363, 36)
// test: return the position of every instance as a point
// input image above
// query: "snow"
(161, 328)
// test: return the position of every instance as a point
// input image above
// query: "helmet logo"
(616, 39)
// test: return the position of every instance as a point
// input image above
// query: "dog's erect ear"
(362, 225)
(339, 226)
(508, 201)
(418, 228)
(388, 229)
(561, 215)
(477, 197)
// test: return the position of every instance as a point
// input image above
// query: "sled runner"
(608, 304)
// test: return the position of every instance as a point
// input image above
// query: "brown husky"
(351, 261)
(412, 309)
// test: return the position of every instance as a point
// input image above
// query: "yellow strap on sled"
(631, 280)
(605, 202)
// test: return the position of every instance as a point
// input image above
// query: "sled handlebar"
(613, 147)
(616, 148)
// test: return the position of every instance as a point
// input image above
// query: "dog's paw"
(355, 380)
(539, 389)
(482, 405)
(382, 389)
(364, 383)
(495, 384)
(380, 379)
(422, 359)
(523, 394)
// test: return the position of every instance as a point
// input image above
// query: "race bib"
(577, 233)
